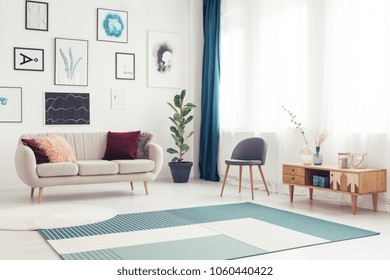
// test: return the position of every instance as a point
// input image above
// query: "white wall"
(146, 107)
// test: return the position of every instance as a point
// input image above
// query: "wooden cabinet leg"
(311, 194)
(375, 201)
(354, 203)
(291, 188)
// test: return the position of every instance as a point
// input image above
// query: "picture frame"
(125, 66)
(66, 108)
(118, 99)
(10, 104)
(28, 59)
(71, 62)
(37, 16)
(112, 25)
(164, 59)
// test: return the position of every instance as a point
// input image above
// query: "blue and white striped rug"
(217, 232)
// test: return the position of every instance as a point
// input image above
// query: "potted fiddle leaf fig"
(180, 169)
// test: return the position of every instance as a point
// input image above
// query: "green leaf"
(176, 139)
(172, 151)
(175, 122)
(178, 118)
(182, 95)
(190, 134)
(190, 105)
(189, 119)
(175, 131)
(184, 147)
(173, 107)
(177, 101)
(175, 159)
(186, 111)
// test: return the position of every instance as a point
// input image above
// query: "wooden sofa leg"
(32, 192)
(40, 194)
(146, 187)
(132, 186)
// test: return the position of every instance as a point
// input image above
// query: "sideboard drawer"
(293, 179)
(292, 170)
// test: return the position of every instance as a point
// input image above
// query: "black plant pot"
(180, 171)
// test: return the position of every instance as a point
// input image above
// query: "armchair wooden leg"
(251, 177)
(224, 178)
(240, 179)
(40, 194)
(32, 192)
(262, 176)
(146, 187)
(132, 186)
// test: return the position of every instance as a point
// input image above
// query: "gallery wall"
(145, 107)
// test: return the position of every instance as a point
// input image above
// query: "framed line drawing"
(112, 25)
(124, 66)
(28, 59)
(63, 108)
(71, 62)
(37, 15)
(10, 104)
(164, 59)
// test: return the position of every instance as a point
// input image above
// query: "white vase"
(307, 154)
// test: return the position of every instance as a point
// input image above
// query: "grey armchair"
(248, 152)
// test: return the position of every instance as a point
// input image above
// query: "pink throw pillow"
(56, 148)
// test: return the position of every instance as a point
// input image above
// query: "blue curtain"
(209, 130)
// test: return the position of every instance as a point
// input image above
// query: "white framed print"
(71, 62)
(124, 66)
(10, 104)
(37, 15)
(111, 25)
(164, 59)
(28, 59)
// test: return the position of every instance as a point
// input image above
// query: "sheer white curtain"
(328, 61)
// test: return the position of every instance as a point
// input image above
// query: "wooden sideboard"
(334, 179)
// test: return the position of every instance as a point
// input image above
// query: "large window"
(326, 60)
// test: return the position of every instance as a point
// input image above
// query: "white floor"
(28, 245)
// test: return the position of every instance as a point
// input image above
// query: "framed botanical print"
(71, 62)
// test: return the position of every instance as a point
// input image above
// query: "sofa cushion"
(57, 169)
(97, 167)
(56, 148)
(121, 145)
(40, 155)
(134, 166)
(143, 145)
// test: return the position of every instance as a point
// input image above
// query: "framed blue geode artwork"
(111, 25)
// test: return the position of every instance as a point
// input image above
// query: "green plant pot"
(180, 171)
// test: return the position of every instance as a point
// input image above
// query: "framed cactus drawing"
(71, 62)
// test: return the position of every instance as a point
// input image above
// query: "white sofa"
(88, 168)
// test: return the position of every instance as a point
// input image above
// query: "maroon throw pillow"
(121, 145)
(40, 155)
